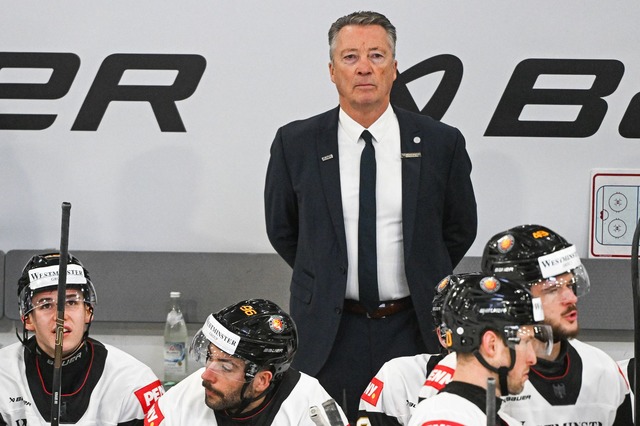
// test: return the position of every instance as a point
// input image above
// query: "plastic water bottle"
(175, 344)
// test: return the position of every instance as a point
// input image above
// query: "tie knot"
(367, 137)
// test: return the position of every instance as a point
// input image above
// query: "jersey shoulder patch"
(373, 391)
(148, 395)
(154, 416)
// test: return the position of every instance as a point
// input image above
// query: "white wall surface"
(135, 187)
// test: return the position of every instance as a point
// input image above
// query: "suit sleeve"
(281, 205)
(460, 214)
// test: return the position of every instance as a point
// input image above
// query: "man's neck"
(475, 376)
(555, 352)
(364, 115)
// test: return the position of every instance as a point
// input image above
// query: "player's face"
(42, 321)
(525, 352)
(223, 380)
(559, 305)
(363, 68)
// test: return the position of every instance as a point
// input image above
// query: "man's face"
(223, 380)
(525, 357)
(559, 305)
(42, 321)
(363, 68)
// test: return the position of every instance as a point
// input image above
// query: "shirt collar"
(353, 129)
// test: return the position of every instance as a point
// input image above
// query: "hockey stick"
(56, 392)
(316, 417)
(635, 285)
(491, 402)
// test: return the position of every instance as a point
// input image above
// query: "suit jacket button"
(343, 270)
(338, 311)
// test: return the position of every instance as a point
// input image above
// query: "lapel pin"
(417, 139)
(327, 157)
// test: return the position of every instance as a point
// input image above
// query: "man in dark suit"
(424, 216)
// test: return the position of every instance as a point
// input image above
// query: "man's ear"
(28, 324)
(489, 344)
(262, 380)
(88, 314)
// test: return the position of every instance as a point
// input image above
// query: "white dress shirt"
(392, 281)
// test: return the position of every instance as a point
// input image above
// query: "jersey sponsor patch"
(154, 416)
(439, 377)
(372, 392)
(148, 395)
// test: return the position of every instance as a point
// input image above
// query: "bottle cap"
(174, 294)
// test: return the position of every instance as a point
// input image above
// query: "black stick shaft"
(56, 393)
(636, 315)
(491, 402)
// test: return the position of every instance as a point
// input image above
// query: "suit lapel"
(329, 165)
(411, 142)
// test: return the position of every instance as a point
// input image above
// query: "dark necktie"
(367, 256)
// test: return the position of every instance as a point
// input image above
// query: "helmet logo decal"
(540, 234)
(48, 276)
(505, 244)
(248, 310)
(276, 324)
(489, 285)
(220, 336)
(442, 285)
(559, 262)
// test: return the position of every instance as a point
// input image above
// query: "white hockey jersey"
(588, 391)
(117, 389)
(394, 392)
(460, 407)
(300, 400)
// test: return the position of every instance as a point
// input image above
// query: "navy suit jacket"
(304, 220)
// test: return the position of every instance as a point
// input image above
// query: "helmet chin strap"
(244, 401)
(25, 335)
(85, 336)
(502, 371)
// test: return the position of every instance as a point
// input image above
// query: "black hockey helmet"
(479, 302)
(255, 330)
(41, 274)
(531, 254)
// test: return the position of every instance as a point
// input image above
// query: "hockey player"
(246, 349)
(394, 392)
(100, 384)
(576, 383)
(492, 325)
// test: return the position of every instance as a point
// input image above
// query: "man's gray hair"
(362, 18)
